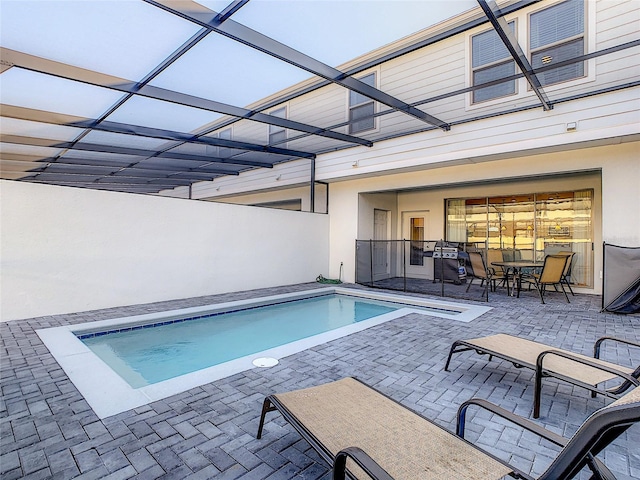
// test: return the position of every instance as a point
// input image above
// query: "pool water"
(145, 356)
(122, 363)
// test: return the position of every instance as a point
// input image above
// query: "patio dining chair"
(479, 271)
(363, 434)
(567, 269)
(551, 274)
(498, 274)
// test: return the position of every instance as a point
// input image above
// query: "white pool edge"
(108, 394)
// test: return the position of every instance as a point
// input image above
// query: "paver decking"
(49, 431)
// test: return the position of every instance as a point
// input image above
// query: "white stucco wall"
(68, 250)
(621, 198)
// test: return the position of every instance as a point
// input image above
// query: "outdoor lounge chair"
(548, 361)
(363, 433)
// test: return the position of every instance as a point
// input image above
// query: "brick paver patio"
(49, 431)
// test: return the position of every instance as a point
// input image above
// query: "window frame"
(523, 23)
(496, 63)
(225, 134)
(274, 130)
(369, 101)
(586, 46)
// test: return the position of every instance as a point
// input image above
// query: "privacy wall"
(68, 250)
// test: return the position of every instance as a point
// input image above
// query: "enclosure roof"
(138, 96)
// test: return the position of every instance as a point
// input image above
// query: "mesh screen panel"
(621, 279)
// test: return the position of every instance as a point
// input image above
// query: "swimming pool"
(120, 381)
(146, 354)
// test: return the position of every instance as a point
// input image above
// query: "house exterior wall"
(93, 249)
(444, 67)
(488, 142)
(68, 250)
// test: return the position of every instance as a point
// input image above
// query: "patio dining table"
(514, 269)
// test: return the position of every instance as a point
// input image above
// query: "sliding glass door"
(528, 227)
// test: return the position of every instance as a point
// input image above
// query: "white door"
(414, 228)
(381, 249)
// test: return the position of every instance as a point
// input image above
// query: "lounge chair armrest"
(602, 469)
(537, 389)
(584, 361)
(512, 417)
(596, 347)
(362, 459)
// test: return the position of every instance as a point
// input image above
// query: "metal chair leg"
(540, 289)
(569, 285)
(565, 292)
(266, 407)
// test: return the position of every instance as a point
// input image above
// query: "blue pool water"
(144, 356)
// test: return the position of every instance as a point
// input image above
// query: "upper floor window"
(277, 134)
(225, 134)
(557, 34)
(222, 152)
(362, 108)
(490, 60)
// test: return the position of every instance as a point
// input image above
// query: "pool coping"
(108, 394)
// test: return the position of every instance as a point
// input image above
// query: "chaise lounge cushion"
(525, 352)
(351, 425)
(547, 361)
(348, 413)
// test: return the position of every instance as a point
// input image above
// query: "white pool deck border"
(108, 394)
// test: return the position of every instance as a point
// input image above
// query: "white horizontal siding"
(325, 107)
(620, 67)
(618, 30)
(442, 68)
(396, 123)
(291, 173)
(598, 117)
(617, 22)
(619, 71)
(313, 143)
(426, 72)
(250, 131)
(256, 198)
